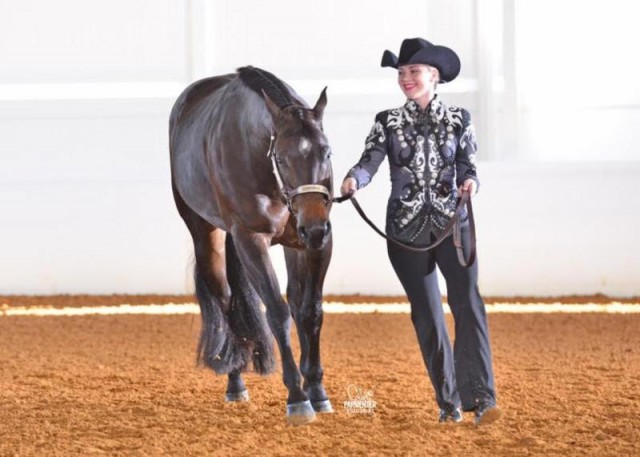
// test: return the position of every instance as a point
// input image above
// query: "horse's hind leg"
(306, 271)
(217, 348)
(234, 359)
(236, 390)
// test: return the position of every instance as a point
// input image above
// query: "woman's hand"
(470, 186)
(349, 187)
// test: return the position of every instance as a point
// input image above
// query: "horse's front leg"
(253, 250)
(307, 270)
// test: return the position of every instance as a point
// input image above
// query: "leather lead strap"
(453, 226)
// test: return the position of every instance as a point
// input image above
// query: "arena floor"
(128, 385)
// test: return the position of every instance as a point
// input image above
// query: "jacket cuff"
(352, 174)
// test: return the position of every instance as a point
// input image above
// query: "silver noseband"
(288, 195)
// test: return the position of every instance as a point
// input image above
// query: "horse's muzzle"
(316, 235)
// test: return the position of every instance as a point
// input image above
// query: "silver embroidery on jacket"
(429, 153)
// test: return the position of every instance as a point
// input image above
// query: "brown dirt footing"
(128, 385)
(118, 299)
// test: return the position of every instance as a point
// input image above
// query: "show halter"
(453, 226)
(287, 193)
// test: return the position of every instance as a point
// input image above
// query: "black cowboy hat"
(417, 50)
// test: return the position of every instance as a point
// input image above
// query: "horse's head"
(301, 156)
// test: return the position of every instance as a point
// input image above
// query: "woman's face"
(417, 81)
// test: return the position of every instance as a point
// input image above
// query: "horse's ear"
(271, 106)
(320, 104)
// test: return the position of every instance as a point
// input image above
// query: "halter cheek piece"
(289, 194)
(453, 226)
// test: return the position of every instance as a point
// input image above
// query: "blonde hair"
(437, 78)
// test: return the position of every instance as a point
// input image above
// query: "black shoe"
(487, 414)
(454, 416)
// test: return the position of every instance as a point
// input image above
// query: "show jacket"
(431, 153)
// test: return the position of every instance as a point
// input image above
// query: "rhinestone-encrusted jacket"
(431, 153)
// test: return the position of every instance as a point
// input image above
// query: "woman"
(431, 149)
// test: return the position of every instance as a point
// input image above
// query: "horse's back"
(219, 135)
(193, 96)
(188, 125)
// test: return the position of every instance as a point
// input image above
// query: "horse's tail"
(246, 319)
(218, 347)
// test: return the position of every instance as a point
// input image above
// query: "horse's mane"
(259, 80)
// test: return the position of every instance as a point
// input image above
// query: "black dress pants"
(462, 377)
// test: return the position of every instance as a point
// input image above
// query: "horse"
(251, 168)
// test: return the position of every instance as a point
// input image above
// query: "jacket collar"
(434, 113)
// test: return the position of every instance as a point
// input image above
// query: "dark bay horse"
(250, 168)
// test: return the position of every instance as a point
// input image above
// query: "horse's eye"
(327, 152)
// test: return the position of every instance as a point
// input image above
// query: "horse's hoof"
(322, 406)
(241, 396)
(300, 413)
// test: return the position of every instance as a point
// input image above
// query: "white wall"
(86, 88)
(531, 240)
(72, 41)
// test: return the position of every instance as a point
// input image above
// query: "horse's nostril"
(303, 232)
(316, 234)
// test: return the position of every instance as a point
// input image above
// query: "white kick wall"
(86, 89)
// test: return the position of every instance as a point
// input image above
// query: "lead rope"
(453, 226)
